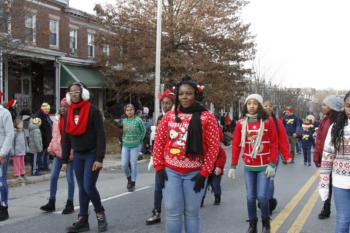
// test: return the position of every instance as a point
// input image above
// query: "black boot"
(81, 225)
(266, 228)
(155, 218)
(101, 222)
(253, 226)
(128, 186)
(69, 208)
(217, 200)
(272, 205)
(4, 214)
(49, 207)
(132, 189)
(326, 210)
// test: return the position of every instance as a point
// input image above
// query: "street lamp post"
(158, 55)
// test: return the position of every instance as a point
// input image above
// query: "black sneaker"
(69, 208)
(155, 218)
(101, 222)
(4, 214)
(81, 225)
(132, 187)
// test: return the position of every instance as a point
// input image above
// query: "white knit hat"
(335, 103)
(256, 97)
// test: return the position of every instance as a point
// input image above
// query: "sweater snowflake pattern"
(170, 144)
(335, 163)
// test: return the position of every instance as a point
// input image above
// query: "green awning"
(91, 77)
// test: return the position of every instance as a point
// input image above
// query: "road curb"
(45, 177)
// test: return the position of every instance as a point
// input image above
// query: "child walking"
(133, 134)
(214, 179)
(19, 150)
(255, 139)
(35, 143)
(307, 141)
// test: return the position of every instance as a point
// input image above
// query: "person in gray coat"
(6, 140)
(35, 143)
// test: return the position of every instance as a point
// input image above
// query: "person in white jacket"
(6, 142)
(335, 165)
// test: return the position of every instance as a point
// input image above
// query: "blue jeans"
(3, 183)
(342, 203)
(130, 156)
(181, 202)
(307, 153)
(43, 160)
(257, 185)
(86, 179)
(55, 172)
(158, 194)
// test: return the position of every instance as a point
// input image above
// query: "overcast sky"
(300, 43)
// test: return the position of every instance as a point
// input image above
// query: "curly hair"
(338, 128)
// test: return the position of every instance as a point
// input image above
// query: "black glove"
(162, 177)
(199, 182)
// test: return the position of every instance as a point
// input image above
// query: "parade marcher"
(185, 150)
(19, 150)
(6, 140)
(167, 101)
(35, 143)
(255, 139)
(55, 149)
(283, 149)
(46, 134)
(84, 133)
(331, 107)
(214, 179)
(11, 106)
(292, 124)
(336, 164)
(133, 134)
(307, 141)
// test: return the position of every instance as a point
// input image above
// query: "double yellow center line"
(304, 214)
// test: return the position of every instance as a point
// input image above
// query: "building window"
(73, 41)
(91, 45)
(54, 33)
(30, 26)
(105, 50)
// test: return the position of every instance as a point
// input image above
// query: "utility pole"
(158, 55)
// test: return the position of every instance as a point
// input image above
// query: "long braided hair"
(338, 128)
(198, 93)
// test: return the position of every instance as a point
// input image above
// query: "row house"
(55, 46)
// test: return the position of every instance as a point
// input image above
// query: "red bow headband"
(168, 94)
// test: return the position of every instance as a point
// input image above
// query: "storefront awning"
(91, 77)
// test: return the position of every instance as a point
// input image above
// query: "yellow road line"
(283, 215)
(304, 214)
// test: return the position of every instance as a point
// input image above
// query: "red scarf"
(61, 125)
(76, 125)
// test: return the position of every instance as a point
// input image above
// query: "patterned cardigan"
(335, 164)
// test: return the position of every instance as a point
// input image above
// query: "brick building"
(56, 46)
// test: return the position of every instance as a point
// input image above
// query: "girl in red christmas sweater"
(255, 138)
(185, 150)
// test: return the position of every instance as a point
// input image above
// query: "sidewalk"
(107, 164)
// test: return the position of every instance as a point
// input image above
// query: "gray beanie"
(335, 103)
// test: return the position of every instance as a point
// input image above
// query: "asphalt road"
(297, 210)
